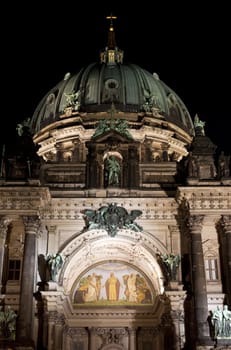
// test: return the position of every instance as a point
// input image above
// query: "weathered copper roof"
(131, 88)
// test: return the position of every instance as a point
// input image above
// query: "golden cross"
(111, 17)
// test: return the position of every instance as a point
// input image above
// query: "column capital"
(51, 228)
(31, 223)
(132, 330)
(195, 223)
(226, 223)
(174, 229)
(4, 223)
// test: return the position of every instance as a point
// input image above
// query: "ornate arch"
(113, 347)
(95, 246)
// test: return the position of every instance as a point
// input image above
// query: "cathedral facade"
(115, 219)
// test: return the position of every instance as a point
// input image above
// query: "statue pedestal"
(174, 285)
(226, 341)
(51, 285)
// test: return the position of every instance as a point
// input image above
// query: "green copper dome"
(88, 95)
(129, 87)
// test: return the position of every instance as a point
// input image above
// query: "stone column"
(177, 299)
(199, 280)
(132, 338)
(92, 332)
(226, 223)
(28, 279)
(59, 323)
(4, 223)
(51, 330)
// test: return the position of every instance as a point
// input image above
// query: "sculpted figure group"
(221, 321)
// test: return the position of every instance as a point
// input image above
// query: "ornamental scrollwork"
(111, 218)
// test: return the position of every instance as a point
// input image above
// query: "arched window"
(14, 270)
(211, 268)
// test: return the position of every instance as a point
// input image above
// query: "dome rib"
(131, 88)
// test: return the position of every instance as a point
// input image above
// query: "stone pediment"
(112, 128)
(112, 136)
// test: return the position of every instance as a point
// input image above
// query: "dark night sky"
(186, 44)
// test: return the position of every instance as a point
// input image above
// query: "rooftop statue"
(73, 100)
(119, 125)
(223, 165)
(25, 124)
(199, 126)
(152, 102)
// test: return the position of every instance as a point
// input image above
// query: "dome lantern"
(112, 54)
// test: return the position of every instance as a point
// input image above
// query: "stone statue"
(113, 170)
(223, 165)
(118, 125)
(25, 124)
(171, 262)
(151, 103)
(217, 321)
(54, 263)
(72, 100)
(226, 321)
(221, 322)
(111, 218)
(199, 126)
(7, 323)
(193, 170)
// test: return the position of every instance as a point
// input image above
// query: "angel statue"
(171, 263)
(54, 264)
(73, 100)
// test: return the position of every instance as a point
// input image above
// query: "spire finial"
(112, 54)
(111, 34)
(111, 17)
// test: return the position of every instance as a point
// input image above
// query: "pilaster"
(24, 329)
(199, 280)
(226, 223)
(177, 299)
(4, 224)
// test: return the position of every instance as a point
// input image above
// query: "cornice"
(70, 208)
(23, 200)
(205, 200)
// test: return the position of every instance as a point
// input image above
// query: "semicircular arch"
(94, 247)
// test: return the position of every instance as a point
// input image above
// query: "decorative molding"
(74, 332)
(195, 223)
(215, 299)
(111, 335)
(111, 218)
(4, 224)
(71, 209)
(138, 249)
(32, 224)
(211, 247)
(26, 199)
(226, 223)
(206, 199)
